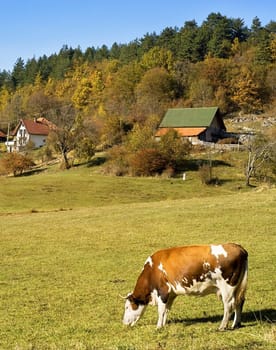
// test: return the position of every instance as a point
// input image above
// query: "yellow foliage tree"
(273, 47)
(157, 57)
(246, 93)
(4, 98)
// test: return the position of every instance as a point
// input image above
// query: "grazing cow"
(192, 270)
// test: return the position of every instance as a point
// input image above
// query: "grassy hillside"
(51, 189)
(72, 242)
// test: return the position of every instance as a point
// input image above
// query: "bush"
(174, 149)
(205, 173)
(44, 154)
(142, 155)
(117, 161)
(15, 163)
(148, 162)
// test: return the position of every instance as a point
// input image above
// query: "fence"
(222, 146)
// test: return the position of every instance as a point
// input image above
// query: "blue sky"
(32, 28)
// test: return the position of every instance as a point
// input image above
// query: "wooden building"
(195, 124)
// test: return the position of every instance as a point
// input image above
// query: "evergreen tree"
(5, 79)
(31, 70)
(115, 51)
(271, 27)
(89, 54)
(147, 43)
(188, 48)
(18, 73)
(130, 52)
(167, 39)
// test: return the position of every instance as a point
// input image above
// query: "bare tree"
(63, 136)
(260, 153)
(39, 103)
(70, 132)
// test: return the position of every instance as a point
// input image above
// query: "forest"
(129, 86)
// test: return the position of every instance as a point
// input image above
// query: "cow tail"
(240, 294)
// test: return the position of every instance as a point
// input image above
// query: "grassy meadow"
(72, 242)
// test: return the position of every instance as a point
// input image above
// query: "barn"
(198, 125)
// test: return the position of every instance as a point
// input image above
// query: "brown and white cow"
(192, 270)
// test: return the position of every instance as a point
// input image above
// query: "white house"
(27, 130)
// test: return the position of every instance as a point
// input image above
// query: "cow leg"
(226, 316)
(237, 317)
(228, 305)
(163, 309)
(162, 313)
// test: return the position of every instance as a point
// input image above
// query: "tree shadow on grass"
(31, 172)
(257, 316)
(96, 161)
(195, 164)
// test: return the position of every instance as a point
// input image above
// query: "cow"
(191, 270)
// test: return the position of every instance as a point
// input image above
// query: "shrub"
(15, 163)
(44, 154)
(174, 149)
(168, 172)
(147, 162)
(205, 173)
(117, 161)
(85, 149)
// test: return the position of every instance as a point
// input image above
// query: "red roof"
(39, 126)
(2, 134)
(185, 132)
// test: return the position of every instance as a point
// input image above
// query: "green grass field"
(72, 242)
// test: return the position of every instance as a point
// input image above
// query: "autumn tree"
(4, 98)
(119, 94)
(70, 133)
(142, 135)
(87, 140)
(201, 93)
(15, 163)
(156, 90)
(89, 84)
(14, 109)
(114, 130)
(157, 57)
(38, 104)
(209, 83)
(246, 92)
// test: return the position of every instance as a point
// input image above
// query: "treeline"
(222, 62)
(191, 42)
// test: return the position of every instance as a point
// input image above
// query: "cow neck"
(142, 290)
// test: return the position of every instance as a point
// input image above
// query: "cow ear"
(133, 302)
(130, 298)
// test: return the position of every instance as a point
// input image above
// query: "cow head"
(134, 309)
